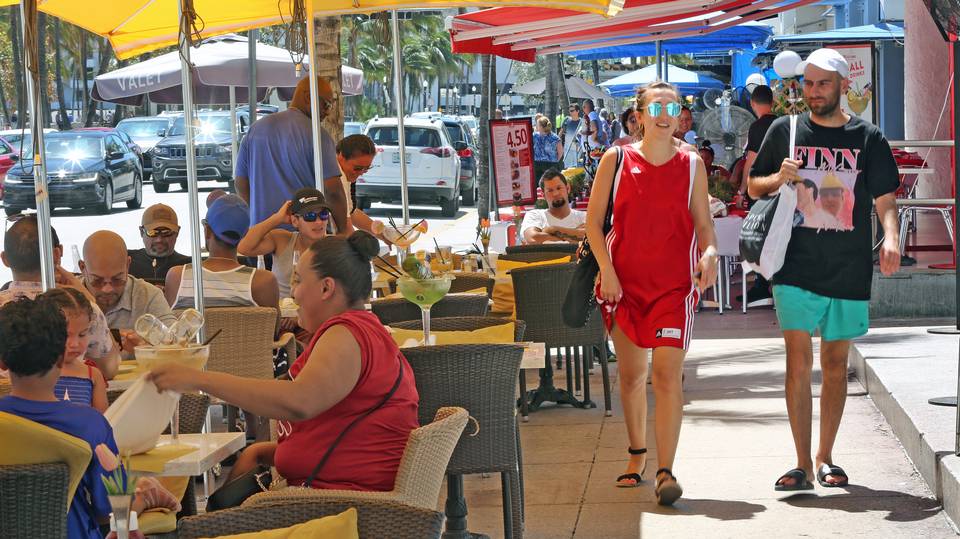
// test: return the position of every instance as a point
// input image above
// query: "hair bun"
(364, 244)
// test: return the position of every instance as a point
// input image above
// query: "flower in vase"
(116, 480)
(108, 461)
(483, 231)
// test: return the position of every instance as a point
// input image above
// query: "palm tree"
(16, 47)
(329, 66)
(62, 121)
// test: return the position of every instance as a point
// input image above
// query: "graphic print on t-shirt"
(825, 197)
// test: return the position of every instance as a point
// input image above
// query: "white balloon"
(754, 80)
(785, 64)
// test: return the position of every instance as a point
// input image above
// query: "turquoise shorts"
(837, 319)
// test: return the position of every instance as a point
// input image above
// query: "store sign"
(511, 143)
(860, 99)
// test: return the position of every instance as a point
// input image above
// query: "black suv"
(212, 147)
(84, 169)
(459, 131)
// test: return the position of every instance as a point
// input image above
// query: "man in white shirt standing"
(559, 222)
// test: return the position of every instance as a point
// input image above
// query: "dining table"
(191, 455)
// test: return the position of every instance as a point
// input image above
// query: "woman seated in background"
(351, 365)
(628, 123)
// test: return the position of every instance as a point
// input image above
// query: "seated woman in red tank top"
(349, 368)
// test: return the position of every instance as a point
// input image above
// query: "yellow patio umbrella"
(138, 26)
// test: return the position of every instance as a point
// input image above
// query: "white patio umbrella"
(576, 87)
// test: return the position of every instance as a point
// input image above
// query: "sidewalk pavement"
(734, 444)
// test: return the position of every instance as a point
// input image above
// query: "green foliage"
(720, 188)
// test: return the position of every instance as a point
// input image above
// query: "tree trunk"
(16, 51)
(557, 69)
(596, 81)
(329, 66)
(486, 112)
(84, 53)
(3, 107)
(63, 122)
(549, 92)
(103, 50)
(44, 75)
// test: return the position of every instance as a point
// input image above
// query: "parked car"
(124, 137)
(353, 128)
(85, 168)
(459, 131)
(14, 136)
(212, 149)
(262, 109)
(146, 132)
(472, 122)
(433, 166)
(8, 158)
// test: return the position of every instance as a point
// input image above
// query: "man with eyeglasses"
(122, 297)
(355, 157)
(275, 158)
(159, 230)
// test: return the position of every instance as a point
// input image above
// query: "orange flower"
(106, 457)
(484, 223)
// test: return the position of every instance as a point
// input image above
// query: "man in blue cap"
(227, 282)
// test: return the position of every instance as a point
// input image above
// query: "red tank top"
(652, 244)
(368, 456)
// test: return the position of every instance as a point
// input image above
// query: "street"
(73, 226)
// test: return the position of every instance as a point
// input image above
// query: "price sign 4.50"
(512, 167)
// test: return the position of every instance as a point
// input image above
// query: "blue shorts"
(837, 319)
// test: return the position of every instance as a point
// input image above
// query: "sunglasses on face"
(655, 109)
(161, 232)
(312, 216)
(361, 170)
(97, 281)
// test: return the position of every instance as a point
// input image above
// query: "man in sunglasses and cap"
(159, 230)
(308, 213)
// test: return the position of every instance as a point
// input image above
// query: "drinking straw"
(393, 271)
(409, 229)
(439, 253)
(212, 337)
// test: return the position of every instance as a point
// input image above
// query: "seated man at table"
(32, 338)
(22, 255)
(559, 222)
(122, 297)
(159, 230)
(226, 282)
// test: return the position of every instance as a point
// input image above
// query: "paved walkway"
(735, 442)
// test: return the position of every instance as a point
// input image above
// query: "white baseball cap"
(826, 59)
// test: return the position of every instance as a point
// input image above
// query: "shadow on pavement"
(715, 509)
(899, 506)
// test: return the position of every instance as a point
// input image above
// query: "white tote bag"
(140, 415)
(766, 230)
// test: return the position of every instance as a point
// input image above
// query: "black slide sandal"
(637, 478)
(669, 493)
(836, 471)
(800, 481)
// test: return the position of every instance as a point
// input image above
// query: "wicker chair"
(376, 519)
(419, 477)
(555, 248)
(467, 281)
(480, 378)
(539, 256)
(393, 310)
(33, 500)
(539, 296)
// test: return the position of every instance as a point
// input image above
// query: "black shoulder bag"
(258, 480)
(581, 300)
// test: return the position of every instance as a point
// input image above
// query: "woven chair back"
(393, 310)
(539, 293)
(245, 347)
(482, 379)
(465, 323)
(33, 500)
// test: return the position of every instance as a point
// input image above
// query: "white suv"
(433, 167)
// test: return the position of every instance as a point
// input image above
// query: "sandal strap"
(633, 451)
(666, 471)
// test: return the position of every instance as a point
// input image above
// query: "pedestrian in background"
(547, 150)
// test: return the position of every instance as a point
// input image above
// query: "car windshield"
(420, 137)
(142, 128)
(209, 125)
(456, 134)
(73, 147)
(471, 123)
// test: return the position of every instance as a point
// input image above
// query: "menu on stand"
(512, 150)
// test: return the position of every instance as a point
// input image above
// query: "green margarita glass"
(425, 293)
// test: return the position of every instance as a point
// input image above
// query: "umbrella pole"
(398, 99)
(314, 100)
(185, 7)
(252, 37)
(659, 63)
(28, 18)
(233, 131)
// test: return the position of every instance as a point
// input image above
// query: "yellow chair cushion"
(503, 299)
(499, 334)
(29, 442)
(163, 520)
(342, 526)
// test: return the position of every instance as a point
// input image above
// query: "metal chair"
(480, 378)
(556, 248)
(467, 281)
(33, 500)
(419, 476)
(393, 310)
(375, 519)
(539, 292)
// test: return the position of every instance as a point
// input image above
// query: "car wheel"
(183, 185)
(448, 207)
(137, 199)
(469, 196)
(106, 205)
(146, 176)
(160, 186)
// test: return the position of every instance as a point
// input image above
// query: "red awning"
(522, 33)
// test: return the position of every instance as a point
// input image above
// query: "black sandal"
(637, 478)
(800, 481)
(670, 493)
(836, 471)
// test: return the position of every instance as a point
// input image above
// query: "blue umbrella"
(686, 81)
(745, 36)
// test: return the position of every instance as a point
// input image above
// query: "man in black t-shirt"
(761, 101)
(827, 272)
(159, 230)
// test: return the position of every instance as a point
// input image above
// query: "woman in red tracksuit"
(654, 262)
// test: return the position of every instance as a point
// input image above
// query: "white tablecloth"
(728, 235)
